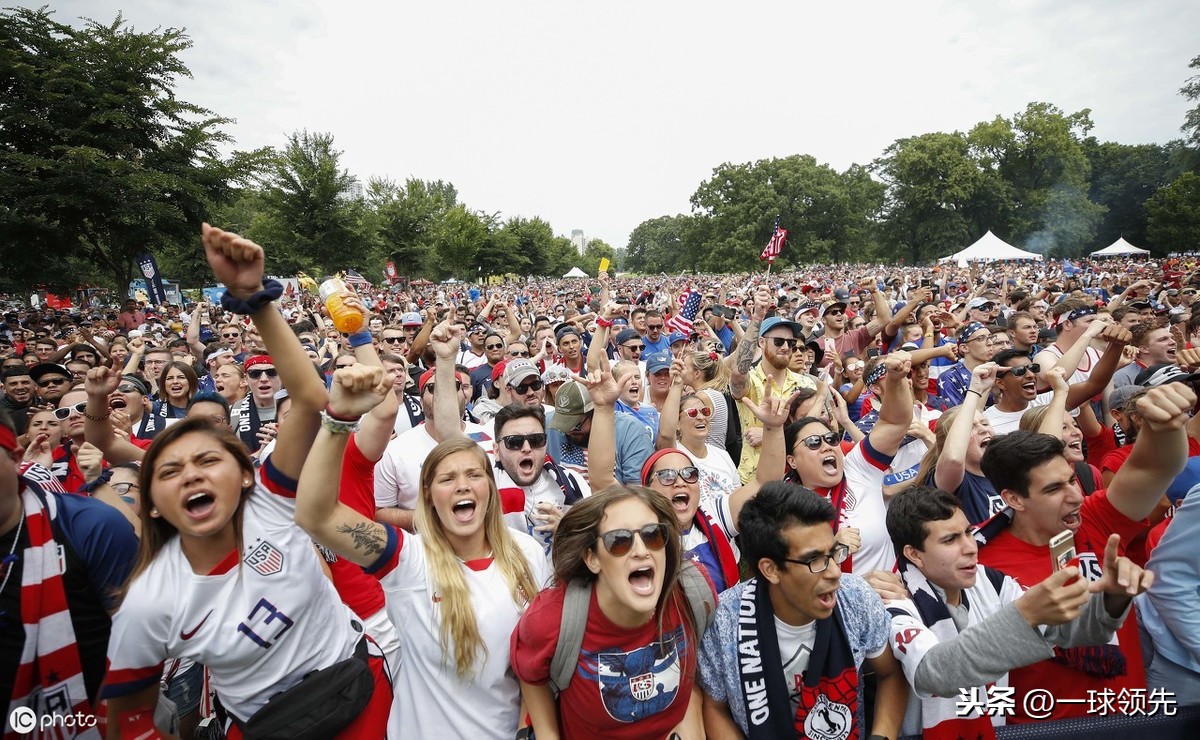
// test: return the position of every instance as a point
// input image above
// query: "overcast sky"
(603, 115)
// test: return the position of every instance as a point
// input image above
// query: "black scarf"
(829, 699)
(248, 423)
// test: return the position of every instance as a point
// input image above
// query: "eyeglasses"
(233, 335)
(1020, 370)
(701, 411)
(518, 353)
(394, 340)
(52, 381)
(667, 476)
(838, 554)
(979, 339)
(457, 386)
(782, 341)
(634, 347)
(64, 413)
(620, 541)
(522, 389)
(493, 346)
(515, 442)
(257, 373)
(813, 441)
(123, 489)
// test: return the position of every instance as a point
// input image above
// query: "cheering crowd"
(843, 502)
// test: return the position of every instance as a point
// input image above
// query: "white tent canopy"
(1119, 247)
(576, 272)
(990, 248)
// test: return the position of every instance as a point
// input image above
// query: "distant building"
(354, 191)
(578, 240)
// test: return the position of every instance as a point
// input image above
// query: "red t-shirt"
(1100, 445)
(359, 591)
(1114, 459)
(1030, 565)
(624, 686)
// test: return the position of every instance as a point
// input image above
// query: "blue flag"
(154, 284)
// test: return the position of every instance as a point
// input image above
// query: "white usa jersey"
(259, 622)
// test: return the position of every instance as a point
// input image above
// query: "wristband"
(358, 339)
(105, 477)
(603, 322)
(339, 417)
(86, 415)
(972, 390)
(334, 425)
(271, 291)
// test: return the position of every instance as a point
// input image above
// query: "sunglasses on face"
(230, 336)
(522, 389)
(1020, 370)
(519, 353)
(700, 411)
(64, 413)
(493, 346)
(257, 373)
(457, 386)
(394, 340)
(634, 347)
(813, 441)
(52, 381)
(654, 327)
(838, 554)
(835, 312)
(516, 442)
(667, 476)
(620, 541)
(783, 341)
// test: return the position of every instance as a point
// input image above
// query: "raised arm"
(238, 263)
(1159, 454)
(375, 429)
(1081, 393)
(1056, 410)
(896, 414)
(952, 463)
(668, 420)
(742, 360)
(602, 458)
(1071, 358)
(355, 391)
(100, 383)
(193, 331)
(883, 312)
(445, 339)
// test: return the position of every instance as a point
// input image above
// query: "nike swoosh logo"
(189, 635)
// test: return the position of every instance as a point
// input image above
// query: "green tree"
(1174, 215)
(1191, 91)
(530, 242)
(656, 245)
(403, 218)
(99, 159)
(312, 203)
(1124, 177)
(596, 250)
(456, 240)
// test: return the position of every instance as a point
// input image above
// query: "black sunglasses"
(493, 346)
(519, 353)
(52, 381)
(813, 441)
(515, 442)
(64, 413)
(1020, 370)
(522, 389)
(634, 347)
(781, 341)
(667, 476)
(620, 541)
(257, 373)
(835, 312)
(394, 340)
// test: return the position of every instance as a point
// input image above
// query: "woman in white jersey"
(455, 590)
(226, 579)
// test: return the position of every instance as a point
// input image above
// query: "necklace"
(11, 558)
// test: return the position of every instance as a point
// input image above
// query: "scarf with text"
(829, 696)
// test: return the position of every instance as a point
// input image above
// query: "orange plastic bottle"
(345, 319)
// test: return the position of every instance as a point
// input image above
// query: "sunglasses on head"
(515, 442)
(620, 541)
(667, 476)
(813, 441)
(64, 413)
(1020, 370)
(522, 389)
(783, 341)
(700, 411)
(257, 373)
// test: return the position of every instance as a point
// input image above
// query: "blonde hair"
(458, 623)
(716, 374)
(941, 432)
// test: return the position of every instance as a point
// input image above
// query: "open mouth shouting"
(199, 505)
(641, 581)
(464, 510)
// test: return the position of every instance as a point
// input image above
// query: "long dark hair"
(157, 531)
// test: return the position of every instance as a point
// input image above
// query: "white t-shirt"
(398, 472)
(718, 473)
(1003, 422)
(468, 359)
(259, 624)
(864, 508)
(436, 702)
(795, 649)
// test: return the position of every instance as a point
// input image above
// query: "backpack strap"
(570, 634)
(1087, 480)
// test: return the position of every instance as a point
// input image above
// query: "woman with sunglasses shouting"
(706, 526)
(627, 623)
(853, 481)
(684, 426)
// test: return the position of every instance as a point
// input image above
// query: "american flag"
(689, 306)
(356, 281)
(775, 246)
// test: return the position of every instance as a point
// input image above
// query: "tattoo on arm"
(745, 350)
(367, 536)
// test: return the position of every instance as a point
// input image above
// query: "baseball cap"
(841, 294)
(517, 369)
(804, 308)
(37, 372)
(412, 318)
(571, 404)
(827, 306)
(656, 361)
(980, 303)
(627, 334)
(1164, 373)
(775, 322)
(1121, 394)
(556, 374)
(676, 336)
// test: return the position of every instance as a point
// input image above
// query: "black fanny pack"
(323, 704)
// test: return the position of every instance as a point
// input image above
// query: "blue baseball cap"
(656, 361)
(676, 336)
(775, 322)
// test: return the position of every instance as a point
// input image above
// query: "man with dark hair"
(68, 556)
(655, 340)
(1155, 346)
(535, 491)
(966, 625)
(1043, 499)
(20, 393)
(800, 629)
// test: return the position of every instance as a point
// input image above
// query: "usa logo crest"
(266, 559)
(642, 682)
